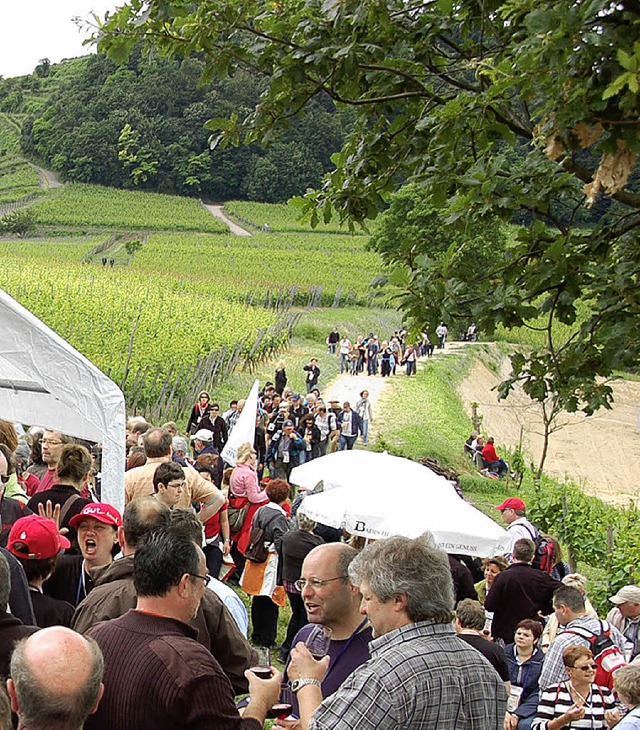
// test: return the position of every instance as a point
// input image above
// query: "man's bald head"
(38, 664)
(337, 554)
(157, 443)
(142, 517)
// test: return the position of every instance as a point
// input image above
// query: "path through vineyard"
(601, 452)
(48, 179)
(216, 211)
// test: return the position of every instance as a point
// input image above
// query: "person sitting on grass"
(494, 463)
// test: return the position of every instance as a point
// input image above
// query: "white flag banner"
(245, 427)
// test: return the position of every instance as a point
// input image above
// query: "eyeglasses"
(51, 442)
(206, 579)
(315, 583)
(176, 485)
(586, 668)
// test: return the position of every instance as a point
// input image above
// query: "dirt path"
(216, 211)
(602, 451)
(348, 388)
(48, 179)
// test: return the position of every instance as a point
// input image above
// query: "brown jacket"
(114, 594)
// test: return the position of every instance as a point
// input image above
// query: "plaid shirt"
(553, 669)
(419, 676)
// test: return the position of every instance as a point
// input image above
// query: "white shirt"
(522, 528)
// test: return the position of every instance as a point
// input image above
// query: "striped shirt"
(556, 700)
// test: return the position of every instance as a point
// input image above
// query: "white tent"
(46, 382)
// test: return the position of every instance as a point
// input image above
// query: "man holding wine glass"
(332, 604)
(420, 675)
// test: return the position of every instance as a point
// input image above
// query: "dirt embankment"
(602, 452)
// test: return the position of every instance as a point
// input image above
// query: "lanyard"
(346, 646)
(82, 588)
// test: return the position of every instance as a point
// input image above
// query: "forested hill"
(142, 125)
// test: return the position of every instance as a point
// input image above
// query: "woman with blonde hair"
(246, 497)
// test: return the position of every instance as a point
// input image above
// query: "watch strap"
(303, 682)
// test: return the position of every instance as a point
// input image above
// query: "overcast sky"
(35, 29)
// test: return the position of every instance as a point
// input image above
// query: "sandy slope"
(602, 451)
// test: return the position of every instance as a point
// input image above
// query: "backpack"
(256, 552)
(543, 557)
(606, 655)
(237, 517)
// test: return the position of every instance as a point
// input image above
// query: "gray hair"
(5, 583)
(626, 682)
(470, 614)
(569, 597)
(414, 568)
(5, 710)
(41, 708)
(179, 443)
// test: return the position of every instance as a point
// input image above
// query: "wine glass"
(263, 667)
(318, 641)
(284, 706)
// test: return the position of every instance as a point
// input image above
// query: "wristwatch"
(303, 682)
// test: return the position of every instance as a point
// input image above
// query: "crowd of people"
(418, 638)
(369, 353)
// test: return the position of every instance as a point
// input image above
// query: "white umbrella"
(409, 510)
(370, 468)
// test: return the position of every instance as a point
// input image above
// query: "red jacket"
(489, 454)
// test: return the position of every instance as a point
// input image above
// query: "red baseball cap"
(100, 511)
(511, 503)
(39, 534)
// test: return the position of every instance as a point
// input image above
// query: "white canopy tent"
(46, 382)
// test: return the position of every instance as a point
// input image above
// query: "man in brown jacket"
(114, 594)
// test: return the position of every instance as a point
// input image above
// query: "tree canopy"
(524, 110)
(142, 125)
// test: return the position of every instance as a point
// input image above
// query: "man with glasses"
(114, 594)
(420, 674)
(168, 483)
(578, 628)
(330, 599)
(156, 674)
(513, 513)
(52, 443)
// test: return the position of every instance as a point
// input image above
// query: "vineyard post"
(609, 555)
(565, 514)
(130, 352)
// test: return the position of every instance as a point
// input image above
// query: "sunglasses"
(4, 478)
(586, 668)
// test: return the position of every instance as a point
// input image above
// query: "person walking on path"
(363, 409)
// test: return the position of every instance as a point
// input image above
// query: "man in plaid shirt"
(420, 675)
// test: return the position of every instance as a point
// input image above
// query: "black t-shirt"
(50, 611)
(493, 653)
(68, 582)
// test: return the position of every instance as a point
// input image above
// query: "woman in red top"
(494, 463)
